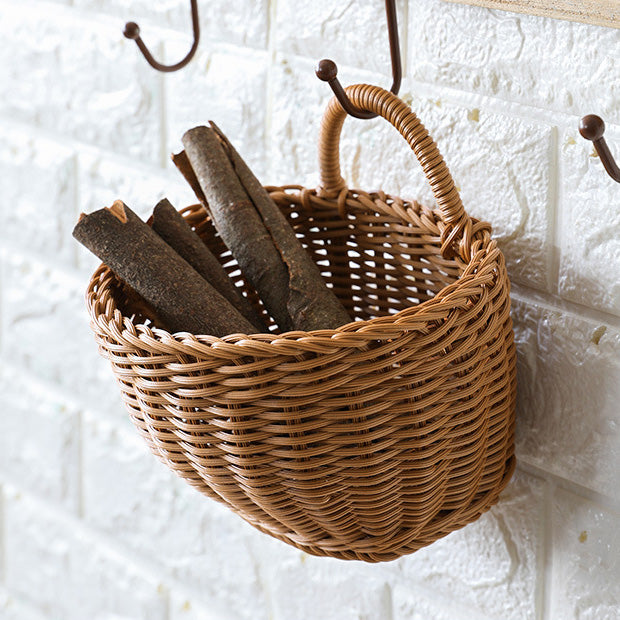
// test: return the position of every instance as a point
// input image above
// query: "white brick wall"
(91, 524)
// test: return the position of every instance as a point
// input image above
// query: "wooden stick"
(139, 257)
(311, 303)
(185, 168)
(238, 223)
(260, 238)
(171, 226)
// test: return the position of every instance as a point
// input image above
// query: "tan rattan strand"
(366, 442)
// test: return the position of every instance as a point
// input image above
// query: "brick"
(410, 603)
(76, 576)
(130, 494)
(499, 162)
(568, 394)
(38, 205)
(243, 24)
(590, 232)
(101, 95)
(104, 179)
(537, 61)
(186, 607)
(228, 87)
(353, 33)
(305, 587)
(491, 564)
(46, 333)
(135, 498)
(586, 560)
(39, 445)
(298, 104)
(13, 609)
(500, 165)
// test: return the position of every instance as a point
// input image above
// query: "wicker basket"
(366, 442)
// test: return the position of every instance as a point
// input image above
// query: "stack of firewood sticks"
(169, 266)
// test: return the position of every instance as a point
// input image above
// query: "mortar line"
(269, 95)
(604, 501)
(543, 555)
(80, 465)
(79, 403)
(554, 238)
(77, 188)
(547, 553)
(167, 604)
(389, 603)
(163, 110)
(68, 143)
(2, 308)
(3, 536)
(555, 303)
(404, 44)
(500, 105)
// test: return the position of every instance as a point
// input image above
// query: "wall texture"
(92, 526)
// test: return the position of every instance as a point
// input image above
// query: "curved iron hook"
(592, 127)
(132, 31)
(328, 71)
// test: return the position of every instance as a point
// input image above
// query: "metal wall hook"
(328, 71)
(132, 31)
(592, 127)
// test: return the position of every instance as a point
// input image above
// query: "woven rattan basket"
(366, 442)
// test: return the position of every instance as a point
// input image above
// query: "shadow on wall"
(568, 395)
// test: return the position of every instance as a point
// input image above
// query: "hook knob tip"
(592, 127)
(132, 30)
(326, 70)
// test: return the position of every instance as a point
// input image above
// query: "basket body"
(366, 442)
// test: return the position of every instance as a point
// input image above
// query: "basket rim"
(480, 273)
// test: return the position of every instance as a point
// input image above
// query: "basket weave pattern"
(366, 442)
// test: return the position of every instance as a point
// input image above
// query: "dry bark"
(185, 168)
(171, 226)
(145, 262)
(259, 236)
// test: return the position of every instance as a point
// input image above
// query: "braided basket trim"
(482, 272)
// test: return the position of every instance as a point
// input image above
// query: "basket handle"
(399, 114)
